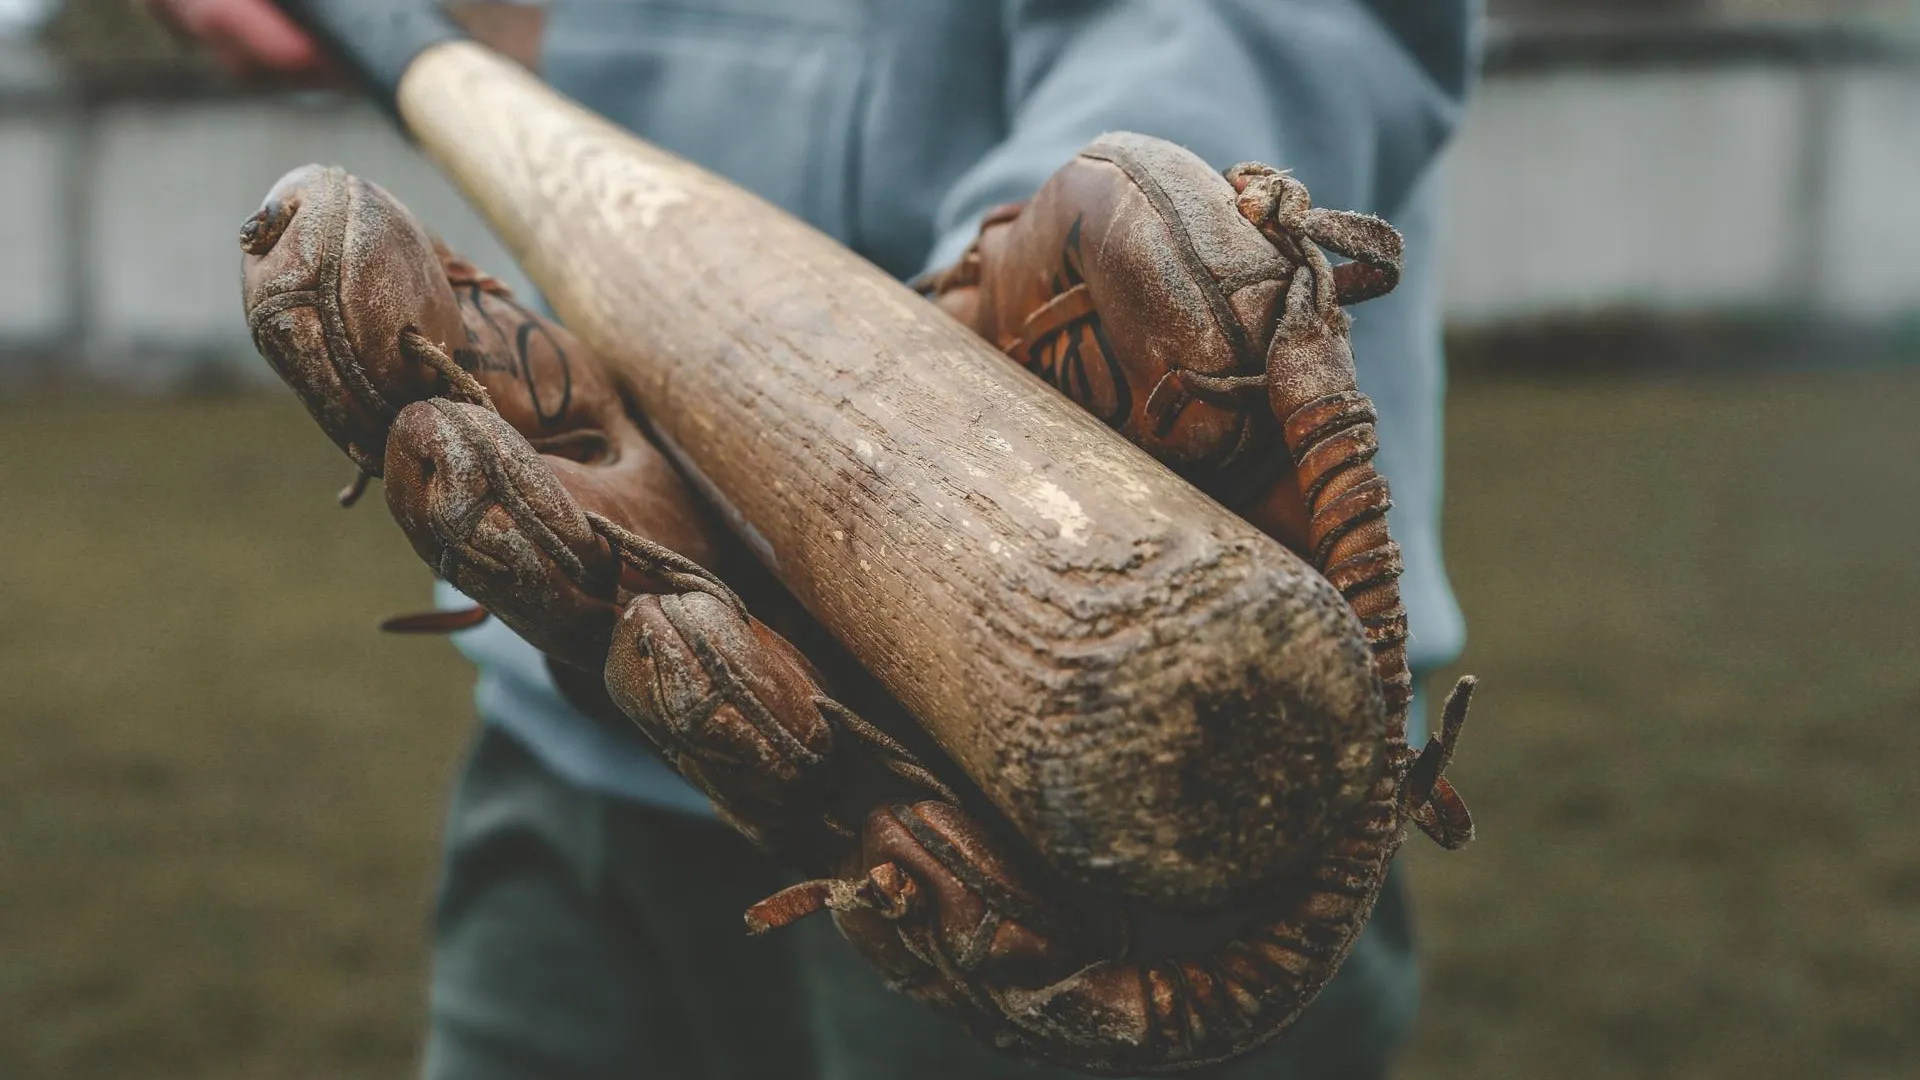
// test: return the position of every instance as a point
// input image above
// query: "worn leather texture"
(1192, 312)
(1198, 315)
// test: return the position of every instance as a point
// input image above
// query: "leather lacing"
(1199, 1007)
(461, 386)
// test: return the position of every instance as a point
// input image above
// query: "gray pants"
(581, 936)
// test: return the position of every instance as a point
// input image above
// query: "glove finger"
(362, 312)
(1130, 264)
(365, 315)
(334, 275)
(985, 915)
(494, 518)
(1152, 291)
(739, 711)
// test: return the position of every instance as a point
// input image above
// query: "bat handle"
(376, 39)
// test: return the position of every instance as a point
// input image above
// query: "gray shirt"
(894, 124)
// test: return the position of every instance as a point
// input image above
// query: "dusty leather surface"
(521, 474)
(1176, 280)
(1137, 280)
(336, 268)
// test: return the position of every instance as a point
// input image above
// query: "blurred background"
(1683, 279)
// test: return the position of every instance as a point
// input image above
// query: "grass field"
(1693, 605)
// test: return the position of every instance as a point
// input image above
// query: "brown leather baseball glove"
(1196, 314)
(1200, 317)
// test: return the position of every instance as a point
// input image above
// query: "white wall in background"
(1871, 219)
(1686, 190)
(161, 191)
(1745, 189)
(35, 258)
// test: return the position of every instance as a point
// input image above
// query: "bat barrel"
(1162, 700)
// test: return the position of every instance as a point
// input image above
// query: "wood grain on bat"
(1162, 700)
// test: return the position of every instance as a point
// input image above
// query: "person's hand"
(251, 39)
(256, 41)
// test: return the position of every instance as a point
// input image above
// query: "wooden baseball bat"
(1164, 701)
